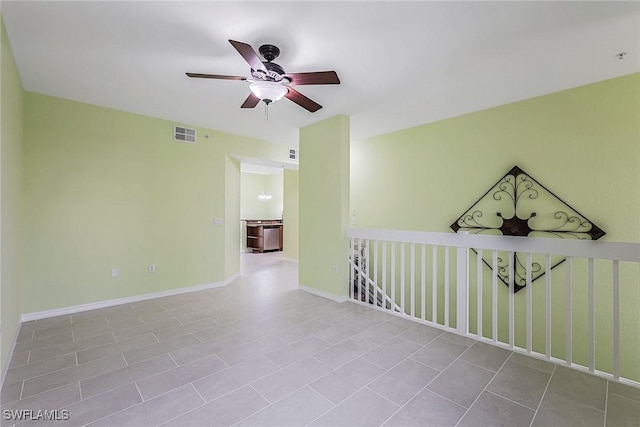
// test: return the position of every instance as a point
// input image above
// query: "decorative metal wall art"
(518, 205)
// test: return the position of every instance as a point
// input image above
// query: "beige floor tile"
(10, 392)
(297, 351)
(346, 380)
(89, 410)
(127, 344)
(19, 359)
(520, 383)
(152, 350)
(461, 382)
(251, 350)
(300, 331)
(486, 356)
(46, 341)
(427, 409)
(51, 399)
(493, 410)
(540, 365)
(297, 409)
(235, 377)
(198, 351)
(173, 378)
(365, 408)
(421, 334)
(382, 332)
(144, 328)
(179, 330)
(578, 386)
(556, 410)
(285, 381)
(439, 353)
(71, 375)
(622, 411)
(624, 390)
(404, 381)
(344, 352)
(39, 368)
(69, 347)
(126, 375)
(341, 332)
(392, 352)
(155, 411)
(224, 411)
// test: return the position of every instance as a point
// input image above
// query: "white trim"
(294, 260)
(323, 294)
(7, 362)
(621, 251)
(126, 300)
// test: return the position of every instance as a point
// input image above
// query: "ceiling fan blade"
(251, 101)
(215, 76)
(314, 78)
(248, 54)
(302, 100)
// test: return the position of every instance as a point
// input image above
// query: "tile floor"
(260, 352)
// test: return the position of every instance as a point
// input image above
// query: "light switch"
(217, 221)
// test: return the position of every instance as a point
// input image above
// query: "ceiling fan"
(269, 81)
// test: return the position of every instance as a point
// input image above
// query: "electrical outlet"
(152, 268)
(115, 272)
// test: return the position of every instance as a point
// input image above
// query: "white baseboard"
(7, 361)
(126, 300)
(318, 292)
(290, 260)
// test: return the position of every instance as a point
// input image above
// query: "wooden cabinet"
(264, 235)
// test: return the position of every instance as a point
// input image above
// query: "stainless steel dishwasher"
(271, 237)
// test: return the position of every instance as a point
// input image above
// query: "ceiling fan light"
(268, 91)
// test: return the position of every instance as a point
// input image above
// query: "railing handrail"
(622, 251)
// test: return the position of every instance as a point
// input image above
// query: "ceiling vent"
(183, 134)
(293, 154)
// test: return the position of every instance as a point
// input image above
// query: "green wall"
(11, 141)
(106, 188)
(252, 185)
(291, 213)
(583, 144)
(324, 206)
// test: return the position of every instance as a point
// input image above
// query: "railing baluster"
(423, 282)
(384, 275)
(511, 299)
(529, 306)
(360, 261)
(375, 273)
(413, 280)
(494, 285)
(479, 292)
(434, 284)
(616, 320)
(393, 275)
(403, 271)
(547, 299)
(351, 268)
(446, 286)
(592, 316)
(569, 312)
(366, 270)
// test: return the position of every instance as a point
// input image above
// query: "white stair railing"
(577, 317)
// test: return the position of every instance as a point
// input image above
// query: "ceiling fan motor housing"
(269, 52)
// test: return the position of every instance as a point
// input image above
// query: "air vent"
(183, 134)
(293, 154)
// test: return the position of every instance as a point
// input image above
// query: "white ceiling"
(401, 63)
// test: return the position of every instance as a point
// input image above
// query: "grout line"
(263, 396)
(485, 387)
(535, 414)
(201, 397)
(80, 390)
